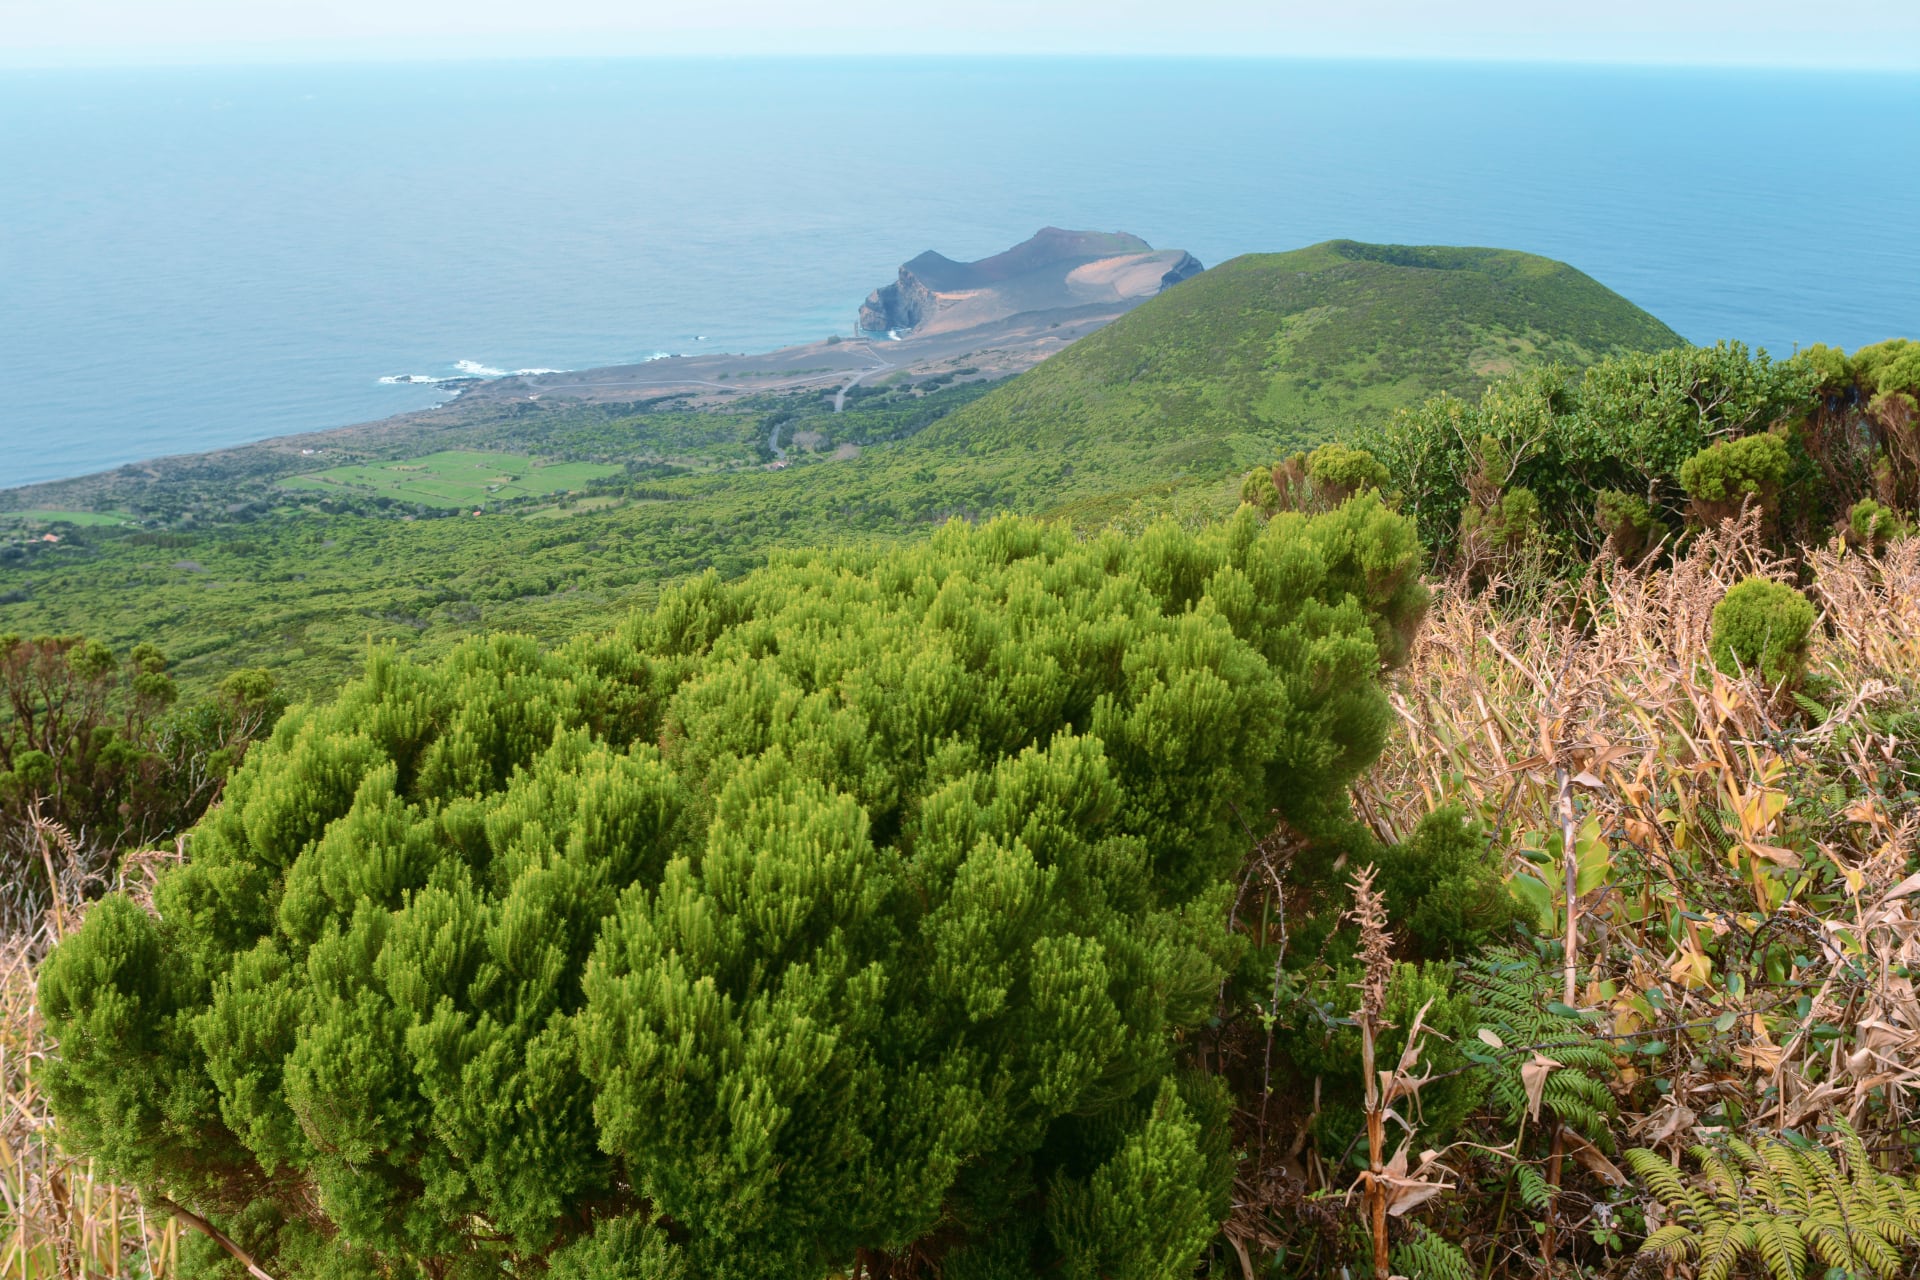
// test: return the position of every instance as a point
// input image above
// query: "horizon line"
(264, 57)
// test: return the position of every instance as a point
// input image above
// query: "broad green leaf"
(1592, 855)
(1534, 893)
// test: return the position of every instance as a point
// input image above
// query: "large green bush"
(1761, 625)
(848, 910)
(1727, 472)
(1444, 887)
(1345, 470)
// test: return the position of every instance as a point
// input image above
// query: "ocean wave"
(658, 355)
(466, 369)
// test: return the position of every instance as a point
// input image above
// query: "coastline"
(700, 382)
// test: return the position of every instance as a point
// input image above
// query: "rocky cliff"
(1055, 269)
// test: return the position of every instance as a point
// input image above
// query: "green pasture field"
(81, 519)
(457, 477)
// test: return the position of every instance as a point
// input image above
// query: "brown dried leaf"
(1591, 1158)
(1910, 885)
(1409, 1191)
(1673, 1119)
(1533, 1078)
(1774, 853)
(1404, 1194)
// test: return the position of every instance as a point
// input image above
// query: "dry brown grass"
(58, 1217)
(1741, 865)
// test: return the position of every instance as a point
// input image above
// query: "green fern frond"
(1779, 1243)
(1664, 1181)
(1426, 1256)
(1872, 1252)
(1828, 1242)
(1534, 1191)
(1722, 1249)
(1721, 1181)
(1790, 1171)
(1671, 1241)
(1513, 992)
(1776, 1205)
(1910, 1208)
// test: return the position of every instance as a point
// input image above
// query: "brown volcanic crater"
(1055, 269)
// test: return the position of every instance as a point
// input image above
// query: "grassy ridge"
(1293, 346)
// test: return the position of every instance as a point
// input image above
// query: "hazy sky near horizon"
(1836, 33)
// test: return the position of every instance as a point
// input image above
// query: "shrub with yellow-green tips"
(1764, 626)
(1870, 525)
(1722, 476)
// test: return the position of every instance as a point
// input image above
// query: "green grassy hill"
(1284, 348)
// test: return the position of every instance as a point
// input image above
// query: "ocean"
(192, 258)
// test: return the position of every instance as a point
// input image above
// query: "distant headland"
(1053, 270)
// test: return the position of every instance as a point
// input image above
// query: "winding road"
(840, 396)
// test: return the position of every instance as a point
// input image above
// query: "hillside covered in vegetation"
(1297, 346)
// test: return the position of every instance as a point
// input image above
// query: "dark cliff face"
(900, 305)
(1185, 269)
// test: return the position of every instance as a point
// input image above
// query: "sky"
(1880, 34)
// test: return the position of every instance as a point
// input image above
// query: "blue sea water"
(195, 258)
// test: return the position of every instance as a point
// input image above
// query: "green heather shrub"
(1507, 523)
(1317, 481)
(850, 908)
(1444, 888)
(1888, 368)
(1871, 526)
(1721, 475)
(1627, 523)
(1345, 469)
(1761, 625)
(1259, 490)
